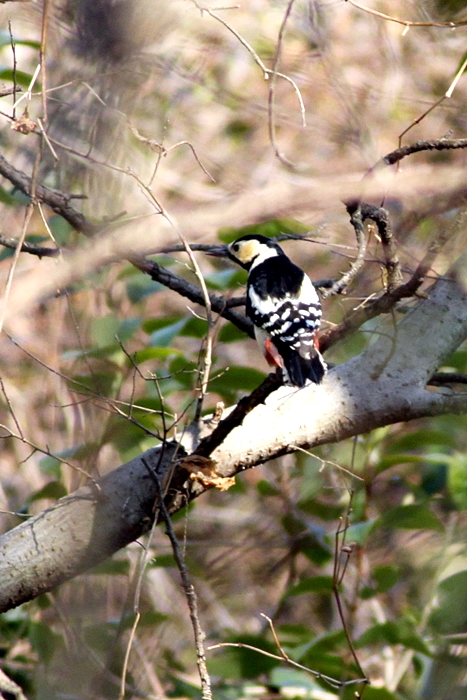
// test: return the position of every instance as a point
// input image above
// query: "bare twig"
(429, 145)
(272, 89)
(190, 291)
(15, 88)
(162, 150)
(283, 656)
(387, 301)
(190, 592)
(31, 248)
(338, 576)
(267, 72)
(447, 95)
(406, 22)
(356, 219)
(57, 201)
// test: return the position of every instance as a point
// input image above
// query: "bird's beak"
(218, 251)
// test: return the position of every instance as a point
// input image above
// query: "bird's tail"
(299, 371)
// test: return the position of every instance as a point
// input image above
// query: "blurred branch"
(60, 204)
(406, 22)
(57, 201)
(31, 248)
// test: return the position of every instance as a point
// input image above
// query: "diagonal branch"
(190, 291)
(87, 526)
(57, 201)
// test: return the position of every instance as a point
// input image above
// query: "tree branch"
(191, 291)
(384, 385)
(57, 201)
(31, 248)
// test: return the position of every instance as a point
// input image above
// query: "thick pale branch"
(384, 385)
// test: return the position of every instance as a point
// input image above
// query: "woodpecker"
(284, 307)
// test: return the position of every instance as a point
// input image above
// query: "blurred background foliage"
(113, 353)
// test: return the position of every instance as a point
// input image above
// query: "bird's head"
(249, 250)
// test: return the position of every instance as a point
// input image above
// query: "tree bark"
(386, 384)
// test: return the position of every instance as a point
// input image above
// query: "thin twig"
(406, 22)
(267, 72)
(356, 219)
(121, 694)
(387, 301)
(338, 576)
(190, 592)
(272, 89)
(27, 218)
(13, 52)
(333, 682)
(190, 291)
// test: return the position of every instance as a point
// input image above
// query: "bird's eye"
(236, 247)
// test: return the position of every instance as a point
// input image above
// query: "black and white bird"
(284, 307)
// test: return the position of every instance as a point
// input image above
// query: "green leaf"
(99, 382)
(271, 229)
(411, 517)
(400, 632)
(450, 615)
(53, 490)
(457, 481)
(226, 279)
(164, 330)
(61, 229)
(423, 438)
(106, 329)
(51, 466)
(164, 561)
(111, 567)
(265, 488)
(358, 532)
(195, 328)
(7, 198)
(309, 541)
(229, 333)
(5, 40)
(384, 578)
(183, 371)
(315, 584)
(151, 618)
(21, 78)
(142, 287)
(43, 640)
(235, 379)
(283, 677)
(372, 693)
(158, 353)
